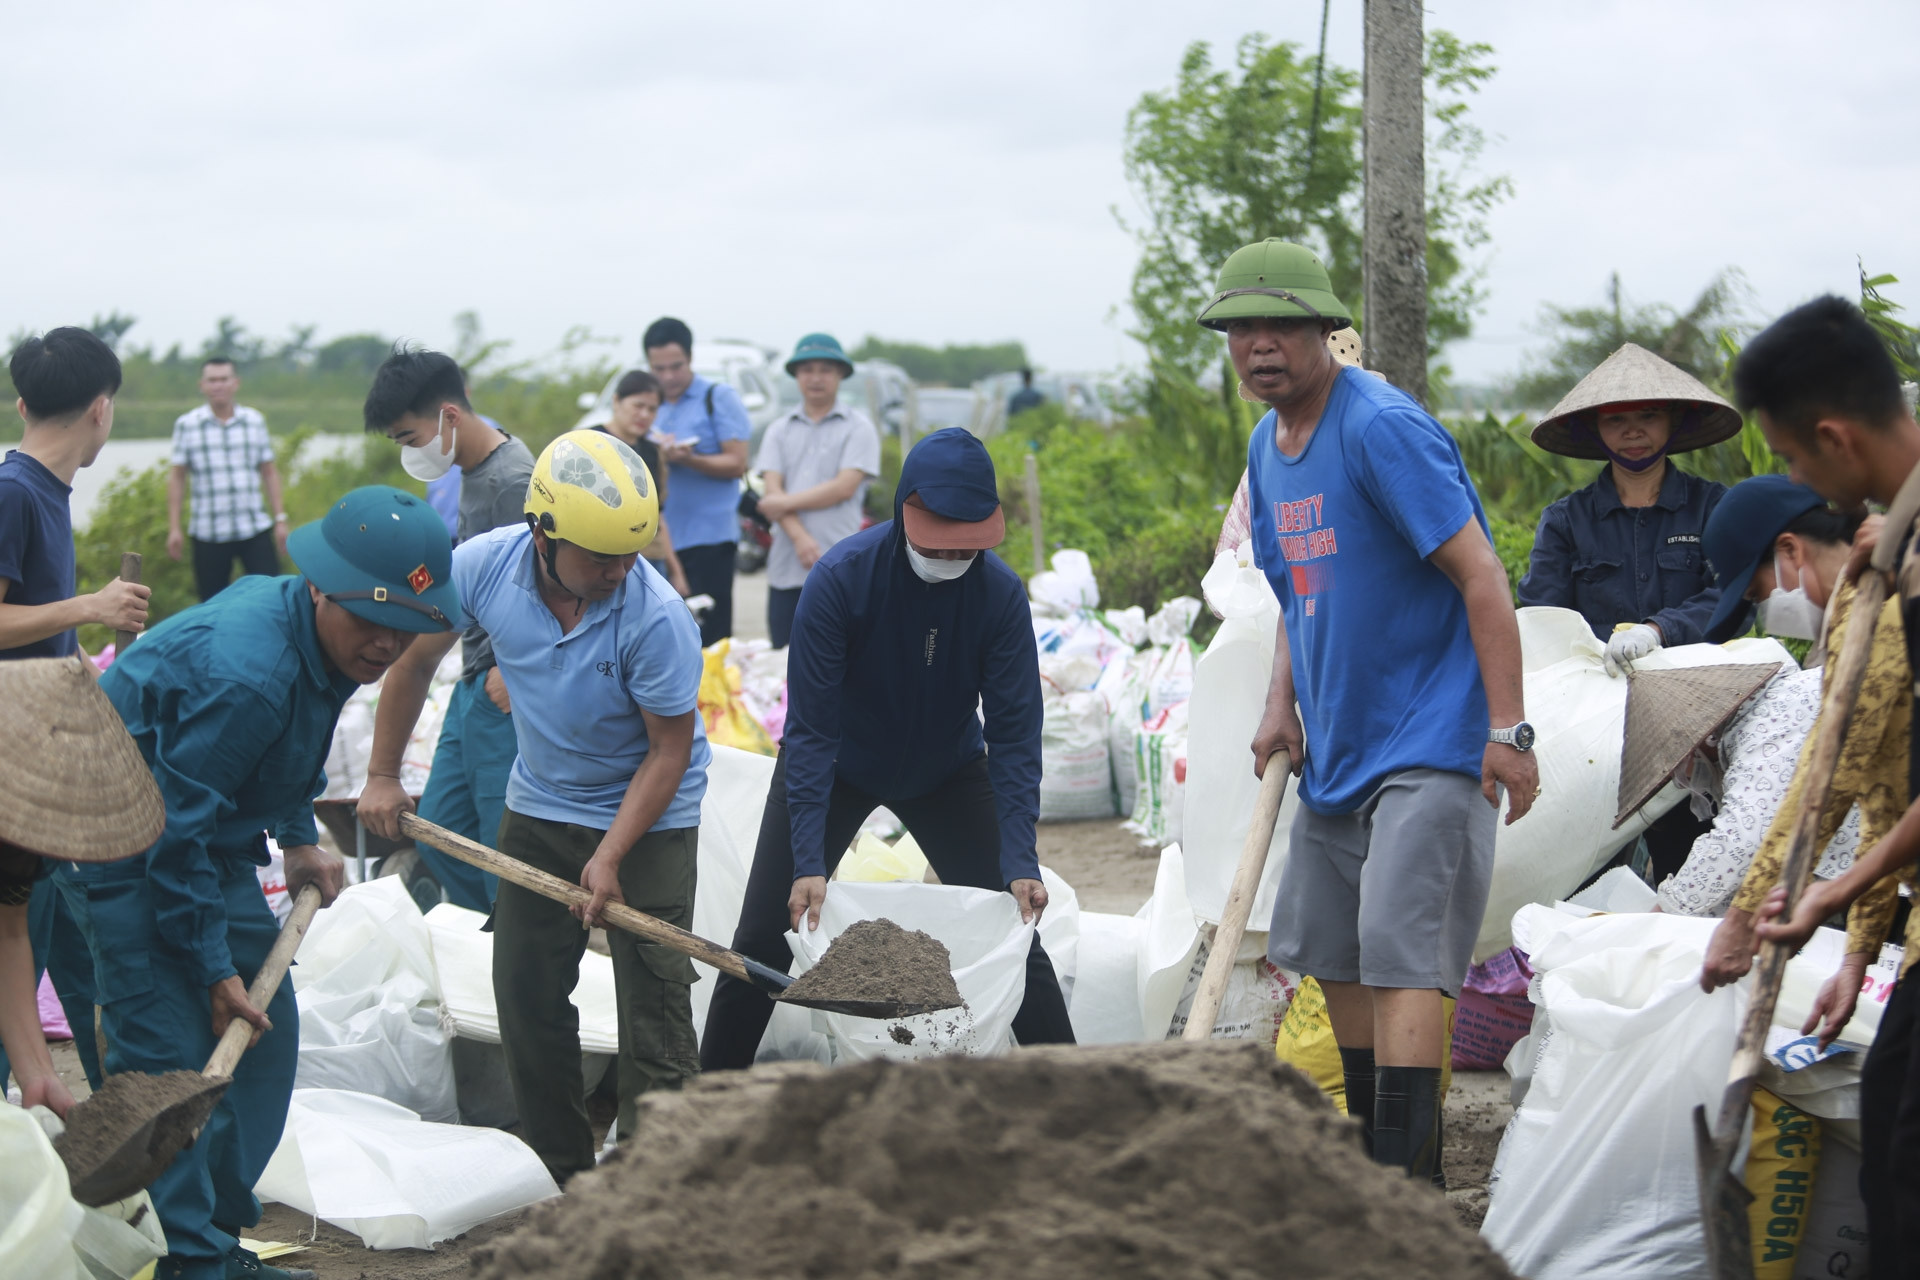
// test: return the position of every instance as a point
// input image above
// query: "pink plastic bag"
(1493, 1012)
(53, 1019)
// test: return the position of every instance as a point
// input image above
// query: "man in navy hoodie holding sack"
(905, 632)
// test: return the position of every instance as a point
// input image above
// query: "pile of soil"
(878, 960)
(99, 1124)
(1119, 1161)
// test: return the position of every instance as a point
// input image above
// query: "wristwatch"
(1520, 737)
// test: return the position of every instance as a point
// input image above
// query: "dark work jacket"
(1621, 564)
(888, 674)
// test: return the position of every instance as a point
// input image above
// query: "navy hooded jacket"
(886, 673)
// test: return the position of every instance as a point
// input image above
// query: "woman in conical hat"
(73, 787)
(1625, 551)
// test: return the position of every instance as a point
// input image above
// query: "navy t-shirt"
(1383, 663)
(36, 546)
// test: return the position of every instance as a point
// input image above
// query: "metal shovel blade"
(147, 1149)
(778, 985)
(1723, 1203)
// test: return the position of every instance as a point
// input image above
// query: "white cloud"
(931, 173)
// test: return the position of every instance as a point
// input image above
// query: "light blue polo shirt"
(703, 510)
(577, 696)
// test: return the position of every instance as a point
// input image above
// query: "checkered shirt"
(223, 469)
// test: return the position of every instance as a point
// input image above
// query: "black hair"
(1824, 524)
(413, 380)
(1820, 358)
(226, 360)
(1026, 377)
(666, 331)
(637, 382)
(63, 371)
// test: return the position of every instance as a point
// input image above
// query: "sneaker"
(244, 1264)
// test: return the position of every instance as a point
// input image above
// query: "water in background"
(138, 455)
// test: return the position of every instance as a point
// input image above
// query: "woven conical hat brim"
(72, 783)
(1669, 714)
(1629, 374)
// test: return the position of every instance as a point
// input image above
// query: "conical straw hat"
(72, 783)
(1669, 714)
(1629, 374)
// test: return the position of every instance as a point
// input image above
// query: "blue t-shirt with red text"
(1383, 663)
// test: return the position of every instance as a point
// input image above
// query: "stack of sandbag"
(724, 710)
(370, 1004)
(1595, 1175)
(379, 1171)
(762, 684)
(1580, 714)
(1229, 697)
(1076, 775)
(353, 735)
(1160, 739)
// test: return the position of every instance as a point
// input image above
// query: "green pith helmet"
(1273, 279)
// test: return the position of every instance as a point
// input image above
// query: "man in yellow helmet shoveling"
(602, 662)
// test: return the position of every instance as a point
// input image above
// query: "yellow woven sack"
(724, 712)
(1781, 1166)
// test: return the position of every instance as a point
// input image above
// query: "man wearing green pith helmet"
(233, 705)
(1397, 642)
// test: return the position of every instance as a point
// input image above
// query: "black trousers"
(1890, 1136)
(213, 561)
(957, 828)
(782, 604)
(709, 570)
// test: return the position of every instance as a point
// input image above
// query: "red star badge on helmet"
(420, 579)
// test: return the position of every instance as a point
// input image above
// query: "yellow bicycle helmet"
(590, 489)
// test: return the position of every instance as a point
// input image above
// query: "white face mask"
(1790, 613)
(430, 462)
(937, 570)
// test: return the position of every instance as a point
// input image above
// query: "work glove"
(1630, 643)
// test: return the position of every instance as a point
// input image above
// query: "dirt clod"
(1053, 1163)
(878, 960)
(900, 1034)
(97, 1126)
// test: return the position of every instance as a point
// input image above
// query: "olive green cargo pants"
(537, 945)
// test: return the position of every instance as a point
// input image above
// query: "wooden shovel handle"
(1846, 674)
(233, 1043)
(1233, 917)
(129, 572)
(552, 886)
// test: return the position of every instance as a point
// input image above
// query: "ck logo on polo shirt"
(606, 668)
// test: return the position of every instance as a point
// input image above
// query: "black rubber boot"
(1406, 1120)
(1356, 1065)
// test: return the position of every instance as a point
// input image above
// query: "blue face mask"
(1633, 464)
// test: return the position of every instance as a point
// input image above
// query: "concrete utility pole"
(1394, 247)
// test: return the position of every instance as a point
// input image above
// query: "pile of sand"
(878, 960)
(1056, 1163)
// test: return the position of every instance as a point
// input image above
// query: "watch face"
(1523, 736)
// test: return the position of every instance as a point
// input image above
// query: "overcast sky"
(930, 173)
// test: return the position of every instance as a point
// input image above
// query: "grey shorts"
(1391, 894)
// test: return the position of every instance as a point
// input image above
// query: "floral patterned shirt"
(1758, 752)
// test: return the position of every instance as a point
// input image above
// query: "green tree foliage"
(948, 366)
(1234, 154)
(1581, 337)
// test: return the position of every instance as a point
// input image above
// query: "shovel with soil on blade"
(645, 926)
(1723, 1198)
(124, 1136)
(1246, 882)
